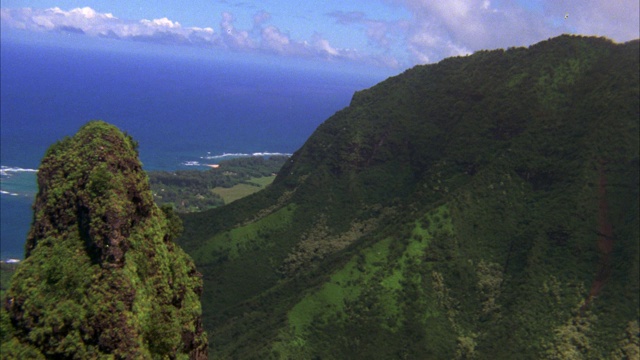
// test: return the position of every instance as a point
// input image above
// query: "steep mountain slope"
(485, 206)
(102, 277)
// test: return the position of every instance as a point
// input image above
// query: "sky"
(373, 35)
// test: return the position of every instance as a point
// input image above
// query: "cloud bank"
(433, 29)
(262, 38)
(437, 29)
(482, 24)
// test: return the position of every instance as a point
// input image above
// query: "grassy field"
(241, 190)
(373, 267)
(242, 239)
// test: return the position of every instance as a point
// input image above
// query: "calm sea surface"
(183, 111)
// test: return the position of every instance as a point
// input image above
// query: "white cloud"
(324, 45)
(206, 30)
(233, 38)
(437, 29)
(164, 22)
(90, 22)
(274, 39)
(443, 28)
(86, 12)
(262, 38)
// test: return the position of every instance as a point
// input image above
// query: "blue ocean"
(185, 111)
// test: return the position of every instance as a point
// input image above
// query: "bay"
(184, 111)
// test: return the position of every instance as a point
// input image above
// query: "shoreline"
(10, 261)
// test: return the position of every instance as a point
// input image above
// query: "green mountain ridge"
(102, 278)
(481, 207)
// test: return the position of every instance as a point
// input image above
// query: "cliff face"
(481, 207)
(102, 274)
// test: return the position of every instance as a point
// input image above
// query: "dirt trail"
(605, 237)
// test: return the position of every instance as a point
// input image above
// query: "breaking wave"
(7, 170)
(17, 181)
(192, 163)
(215, 158)
(234, 155)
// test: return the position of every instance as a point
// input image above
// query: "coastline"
(10, 261)
(18, 188)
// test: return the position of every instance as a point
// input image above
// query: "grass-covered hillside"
(481, 207)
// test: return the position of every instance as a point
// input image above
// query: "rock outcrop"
(102, 276)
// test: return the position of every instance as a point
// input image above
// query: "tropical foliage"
(102, 277)
(482, 207)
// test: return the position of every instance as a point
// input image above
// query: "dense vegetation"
(6, 271)
(102, 277)
(196, 190)
(482, 207)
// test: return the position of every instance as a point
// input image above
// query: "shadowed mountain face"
(485, 206)
(102, 275)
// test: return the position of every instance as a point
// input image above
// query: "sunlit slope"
(483, 206)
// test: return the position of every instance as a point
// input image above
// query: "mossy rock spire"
(102, 277)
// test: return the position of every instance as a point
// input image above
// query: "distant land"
(227, 181)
